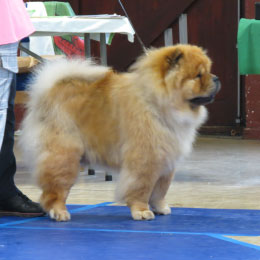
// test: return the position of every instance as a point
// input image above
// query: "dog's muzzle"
(204, 100)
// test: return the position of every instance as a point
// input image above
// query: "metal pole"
(103, 49)
(22, 48)
(238, 119)
(168, 40)
(87, 45)
(183, 29)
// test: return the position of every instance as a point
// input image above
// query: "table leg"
(87, 45)
(103, 49)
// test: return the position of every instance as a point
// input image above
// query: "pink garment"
(15, 22)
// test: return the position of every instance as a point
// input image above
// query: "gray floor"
(220, 173)
(222, 161)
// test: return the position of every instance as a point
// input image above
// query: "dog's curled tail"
(50, 72)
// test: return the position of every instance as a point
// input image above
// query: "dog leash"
(137, 35)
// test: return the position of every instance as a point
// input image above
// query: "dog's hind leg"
(57, 172)
(157, 200)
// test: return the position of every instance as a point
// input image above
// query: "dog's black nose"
(215, 78)
(217, 84)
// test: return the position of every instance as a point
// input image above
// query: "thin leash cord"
(137, 35)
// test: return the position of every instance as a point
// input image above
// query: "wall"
(215, 31)
(252, 89)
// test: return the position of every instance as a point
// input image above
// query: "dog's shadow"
(93, 221)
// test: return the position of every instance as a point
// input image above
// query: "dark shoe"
(21, 206)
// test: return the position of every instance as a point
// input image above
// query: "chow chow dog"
(141, 123)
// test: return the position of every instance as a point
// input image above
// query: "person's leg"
(12, 201)
(7, 158)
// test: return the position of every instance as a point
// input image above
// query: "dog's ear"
(174, 58)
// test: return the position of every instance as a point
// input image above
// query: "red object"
(70, 49)
(79, 43)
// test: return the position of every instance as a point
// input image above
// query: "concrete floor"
(220, 173)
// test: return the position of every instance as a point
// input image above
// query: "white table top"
(79, 25)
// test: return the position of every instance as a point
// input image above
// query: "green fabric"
(111, 36)
(58, 9)
(248, 39)
(54, 8)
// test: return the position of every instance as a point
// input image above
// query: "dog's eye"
(199, 76)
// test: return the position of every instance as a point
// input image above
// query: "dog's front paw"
(166, 210)
(142, 215)
(59, 215)
(161, 208)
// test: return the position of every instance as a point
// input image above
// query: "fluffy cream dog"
(140, 123)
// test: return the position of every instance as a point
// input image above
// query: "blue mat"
(108, 232)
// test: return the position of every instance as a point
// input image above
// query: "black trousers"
(7, 157)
